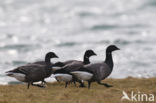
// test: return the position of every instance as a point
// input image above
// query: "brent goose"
(97, 71)
(87, 55)
(33, 72)
(74, 65)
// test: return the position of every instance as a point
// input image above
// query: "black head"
(89, 53)
(51, 55)
(111, 48)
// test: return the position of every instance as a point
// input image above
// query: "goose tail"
(8, 73)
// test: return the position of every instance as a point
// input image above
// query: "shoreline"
(56, 93)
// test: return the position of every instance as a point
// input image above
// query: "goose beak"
(8, 73)
(95, 54)
(118, 49)
(56, 56)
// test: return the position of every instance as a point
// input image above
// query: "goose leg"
(77, 80)
(66, 84)
(44, 81)
(74, 83)
(70, 82)
(82, 84)
(105, 84)
(57, 80)
(89, 83)
(28, 85)
(41, 86)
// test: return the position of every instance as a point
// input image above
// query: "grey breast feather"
(100, 70)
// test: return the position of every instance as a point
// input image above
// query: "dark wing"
(85, 70)
(26, 69)
(70, 61)
(61, 64)
(74, 66)
(39, 63)
(33, 72)
(36, 73)
(61, 71)
(21, 69)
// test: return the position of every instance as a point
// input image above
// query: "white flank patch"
(63, 77)
(18, 76)
(56, 68)
(82, 75)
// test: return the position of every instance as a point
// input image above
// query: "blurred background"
(31, 28)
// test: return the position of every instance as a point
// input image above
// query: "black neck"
(86, 60)
(47, 60)
(48, 66)
(109, 59)
(48, 70)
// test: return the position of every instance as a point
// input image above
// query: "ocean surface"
(31, 28)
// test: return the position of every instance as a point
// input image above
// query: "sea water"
(31, 28)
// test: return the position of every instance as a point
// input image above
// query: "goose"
(33, 72)
(95, 72)
(87, 55)
(73, 65)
